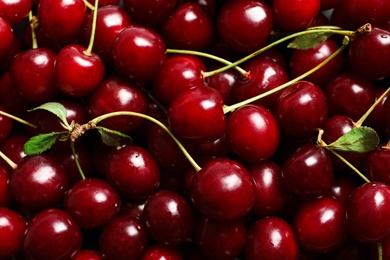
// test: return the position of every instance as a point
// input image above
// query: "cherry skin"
(245, 25)
(124, 237)
(168, 217)
(133, 172)
(10, 97)
(12, 229)
(248, 123)
(320, 225)
(218, 240)
(5, 192)
(342, 187)
(87, 254)
(224, 82)
(91, 203)
(294, 15)
(37, 66)
(38, 182)
(369, 199)
(52, 234)
(308, 172)
(377, 118)
(6, 125)
(377, 163)
(197, 114)
(7, 35)
(223, 190)
(138, 52)
(271, 238)
(15, 11)
(103, 3)
(13, 148)
(158, 252)
(188, 27)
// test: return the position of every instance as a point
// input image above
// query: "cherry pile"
(194, 129)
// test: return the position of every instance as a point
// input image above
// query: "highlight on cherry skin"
(194, 129)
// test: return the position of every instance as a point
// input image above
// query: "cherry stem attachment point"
(33, 21)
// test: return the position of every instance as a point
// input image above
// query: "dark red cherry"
(188, 27)
(91, 203)
(320, 225)
(6, 60)
(197, 114)
(133, 172)
(168, 217)
(342, 187)
(15, 11)
(38, 182)
(13, 148)
(10, 97)
(271, 238)
(377, 164)
(37, 85)
(87, 254)
(7, 35)
(124, 237)
(5, 192)
(224, 82)
(368, 212)
(223, 190)
(377, 119)
(103, 3)
(249, 123)
(12, 229)
(245, 25)
(138, 52)
(52, 234)
(158, 252)
(6, 125)
(295, 15)
(308, 172)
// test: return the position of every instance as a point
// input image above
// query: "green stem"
(228, 109)
(380, 251)
(89, 5)
(209, 56)
(77, 160)
(8, 160)
(18, 119)
(92, 39)
(368, 112)
(33, 35)
(98, 119)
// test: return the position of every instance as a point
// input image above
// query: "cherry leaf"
(40, 143)
(359, 140)
(56, 108)
(112, 137)
(308, 41)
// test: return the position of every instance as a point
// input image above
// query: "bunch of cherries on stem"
(127, 132)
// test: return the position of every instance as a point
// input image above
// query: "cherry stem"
(228, 109)
(89, 5)
(32, 21)
(210, 56)
(92, 39)
(18, 119)
(368, 112)
(8, 160)
(77, 160)
(380, 251)
(98, 119)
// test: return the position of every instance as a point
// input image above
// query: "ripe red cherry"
(91, 203)
(7, 36)
(245, 25)
(15, 11)
(370, 199)
(103, 3)
(377, 164)
(224, 82)
(5, 192)
(13, 148)
(248, 123)
(87, 254)
(6, 125)
(223, 190)
(271, 238)
(197, 114)
(52, 234)
(320, 225)
(12, 230)
(292, 15)
(158, 252)
(10, 97)
(138, 52)
(168, 217)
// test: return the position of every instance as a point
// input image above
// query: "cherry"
(15, 11)
(342, 187)
(6, 60)
(111, 19)
(197, 114)
(5, 192)
(6, 125)
(114, 94)
(42, 40)
(158, 252)
(7, 35)
(367, 212)
(218, 240)
(308, 172)
(124, 237)
(132, 208)
(38, 182)
(132, 171)
(302, 61)
(260, 125)
(63, 28)
(91, 203)
(10, 97)
(179, 72)
(168, 217)
(188, 27)
(37, 66)
(223, 190)
(271, 238)
(13, 148)
(12, 229)
(301, 109)
(138, 52)
(87, 254)
(369, 55)
(377, 119)
(245, 25)
(224, 82)
(377, 164)
(103, 3)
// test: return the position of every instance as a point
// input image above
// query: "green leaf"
(57, 109)
(359, 140)
(112, 137)
(309, 40)
(40, 143)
